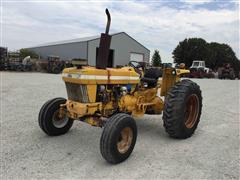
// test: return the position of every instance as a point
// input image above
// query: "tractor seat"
(151, 82)
(151, 76)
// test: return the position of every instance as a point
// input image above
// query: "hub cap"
(125, 140)
(59, 122)
(192, 110)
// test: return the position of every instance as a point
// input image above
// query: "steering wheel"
(135, 64)
(137, 67)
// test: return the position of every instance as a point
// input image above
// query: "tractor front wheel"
(182, 109)
(118, 138)
(50, 120)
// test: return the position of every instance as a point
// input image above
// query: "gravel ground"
(27, 153)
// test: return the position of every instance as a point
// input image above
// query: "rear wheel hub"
(192, 110)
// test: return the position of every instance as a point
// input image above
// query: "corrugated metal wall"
(64, 51)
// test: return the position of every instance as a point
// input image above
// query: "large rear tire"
(49, 120)
(118, 138)
(182, 109)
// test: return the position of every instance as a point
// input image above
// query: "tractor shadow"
(151, 125)
(83, 141)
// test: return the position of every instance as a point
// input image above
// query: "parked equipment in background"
(199, 70)
(55, 65)
(15, 63)
(3, 58)
(226, 72)
(112, 97)
(27, 64)
(11, 61)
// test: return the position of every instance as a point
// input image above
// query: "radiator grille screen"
(77, 92)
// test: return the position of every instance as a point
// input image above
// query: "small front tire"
(49, 120)
(118, 138)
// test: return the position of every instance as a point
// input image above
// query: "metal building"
(123, 49)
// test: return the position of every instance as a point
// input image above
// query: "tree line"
(213, 53)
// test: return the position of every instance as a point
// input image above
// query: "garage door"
(136, 57)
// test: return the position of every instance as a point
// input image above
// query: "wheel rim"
(192, 110)
(125, 140)
(59, 122)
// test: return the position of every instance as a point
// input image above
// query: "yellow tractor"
(112, 97)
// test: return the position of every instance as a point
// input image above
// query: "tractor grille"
(77, 92)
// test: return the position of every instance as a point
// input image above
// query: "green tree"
(189, 50)
(156, 59)
(26, 52)
(219, 54)
(214, 54)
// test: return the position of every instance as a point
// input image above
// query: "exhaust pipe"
(108, 21)
(104, 45)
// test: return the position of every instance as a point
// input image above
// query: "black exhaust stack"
(104, 46)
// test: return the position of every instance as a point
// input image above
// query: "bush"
(27, 52)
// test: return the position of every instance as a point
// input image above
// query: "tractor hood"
(92, 75)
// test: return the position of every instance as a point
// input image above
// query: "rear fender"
(170, 77)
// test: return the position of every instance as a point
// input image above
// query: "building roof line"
(84, 39)
(135, 40)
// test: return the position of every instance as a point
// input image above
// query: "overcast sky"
(156, 24)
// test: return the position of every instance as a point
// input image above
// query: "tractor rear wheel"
(118, 138)
(50, 121)
(182, 109)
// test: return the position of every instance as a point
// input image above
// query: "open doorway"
(110, 57)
